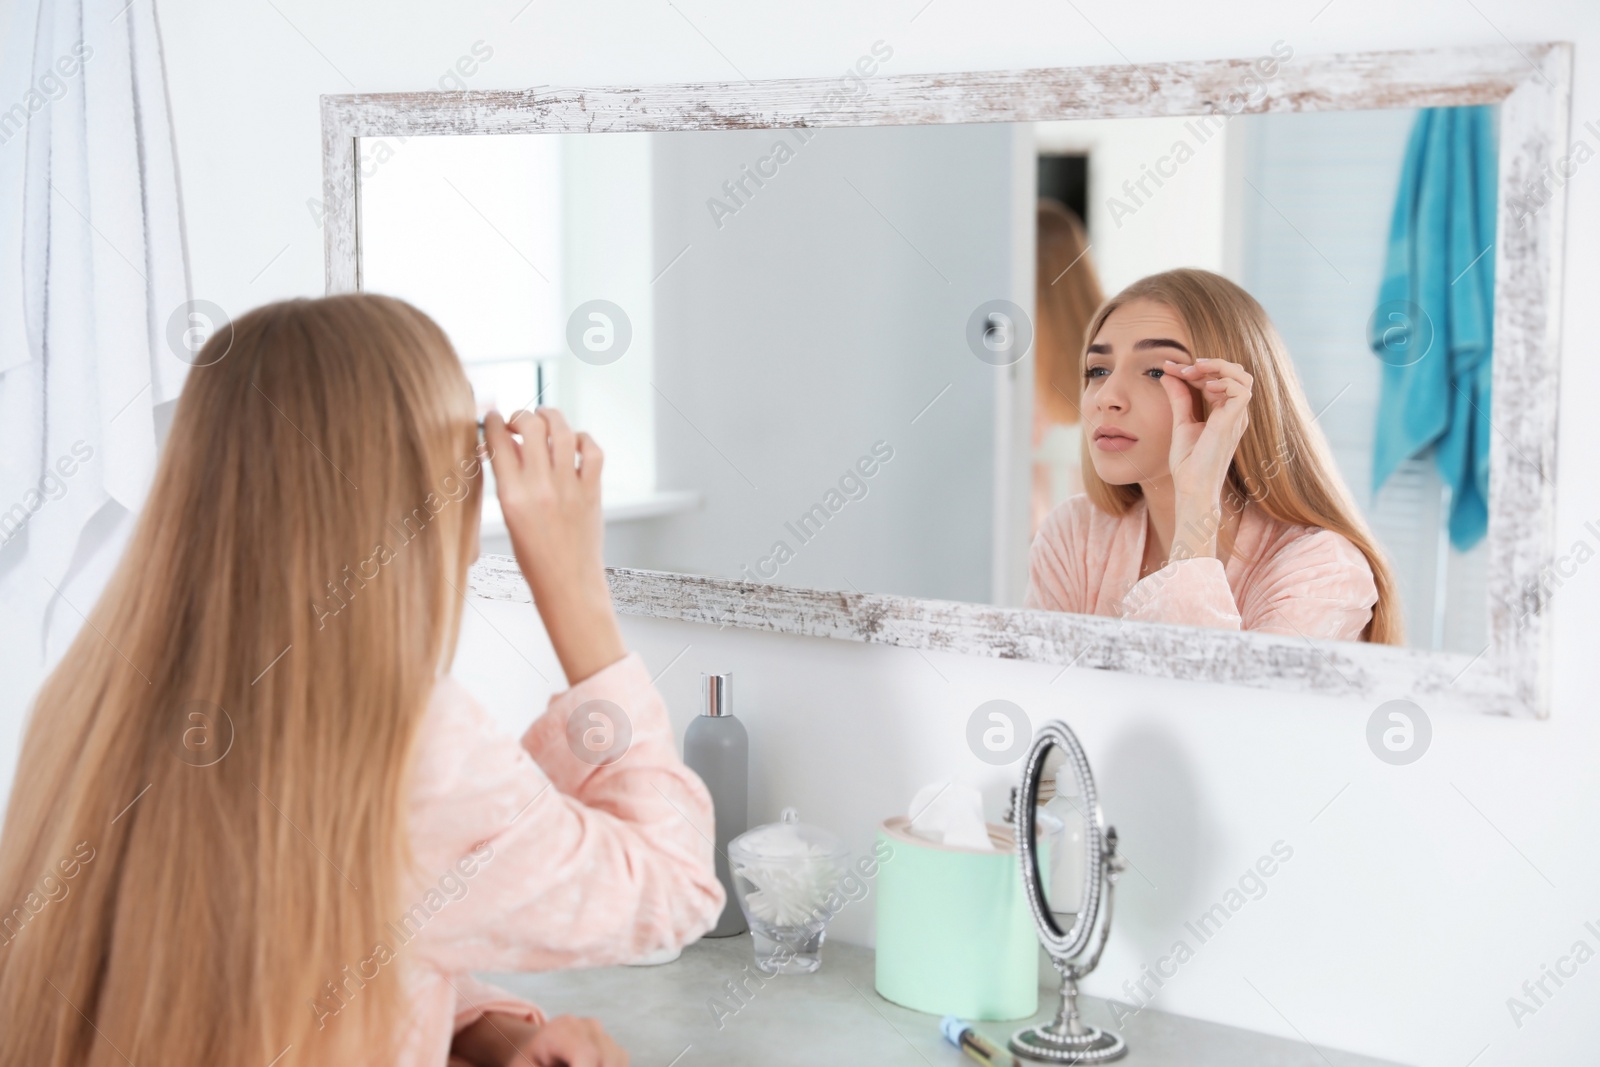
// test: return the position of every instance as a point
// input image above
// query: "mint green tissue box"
(954, 933)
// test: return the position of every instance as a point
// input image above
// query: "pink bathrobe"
(1279, 578)
(531, 859)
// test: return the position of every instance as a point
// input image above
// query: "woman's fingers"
(1218, 380)
(590, 460)
(1226, 389)
(1203, 370)
(576, 1056)
(503, 453)
(1181, 397)
(530, 427)
(574, 1042)
(562, 445)
(535, 433)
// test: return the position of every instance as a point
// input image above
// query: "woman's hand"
(549, 489)
(1202, 451)
(501, 1040)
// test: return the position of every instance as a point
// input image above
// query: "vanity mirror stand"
(1067, 1039)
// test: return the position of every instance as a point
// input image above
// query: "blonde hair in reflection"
(228, 888)
(1282, 464)
(1067, 292)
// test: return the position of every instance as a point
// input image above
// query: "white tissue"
(790, 883)
(950, 813)
(792, 893)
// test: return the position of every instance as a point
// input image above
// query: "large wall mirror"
(832, 335)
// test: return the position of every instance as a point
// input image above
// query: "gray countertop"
(663, 1017)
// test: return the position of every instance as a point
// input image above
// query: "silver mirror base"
(1046, 1044)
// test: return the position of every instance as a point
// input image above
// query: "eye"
(1095, 372)
(1156, 373)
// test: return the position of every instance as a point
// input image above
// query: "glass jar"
(787, 877)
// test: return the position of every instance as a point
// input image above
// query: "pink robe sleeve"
(474, 999)
(1318, 585)
(1055, 565)
(530, 858)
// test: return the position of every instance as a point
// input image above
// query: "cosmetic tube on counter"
(974, 1044)
(717, 748)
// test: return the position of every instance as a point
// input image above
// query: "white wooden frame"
(1530, 82)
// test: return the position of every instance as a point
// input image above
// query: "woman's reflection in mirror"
(1210, 496)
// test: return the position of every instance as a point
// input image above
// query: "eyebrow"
(1141, 345)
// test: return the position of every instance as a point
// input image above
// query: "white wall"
(500, 239)
(1417, 901)
(818, 322)
(610, 256)
(469, 230)
(1177, 223)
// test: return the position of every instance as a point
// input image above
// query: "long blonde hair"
(1067, 294)
(209, 810)
(1282, 464)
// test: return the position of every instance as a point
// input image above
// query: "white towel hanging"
(92, 267)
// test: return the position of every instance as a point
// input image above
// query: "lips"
(1113, 439)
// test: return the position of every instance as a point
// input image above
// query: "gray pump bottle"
(717, 749)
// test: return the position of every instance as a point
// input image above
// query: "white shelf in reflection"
(631, 507)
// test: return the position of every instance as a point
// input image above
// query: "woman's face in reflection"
(1127, 415)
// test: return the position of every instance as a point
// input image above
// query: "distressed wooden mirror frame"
(1530, 82)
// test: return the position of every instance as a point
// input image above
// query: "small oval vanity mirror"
(1056, 771)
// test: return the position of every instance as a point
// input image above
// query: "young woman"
(1211, 498)
(255, 821)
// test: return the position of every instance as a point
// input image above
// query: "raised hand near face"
(1203, 449)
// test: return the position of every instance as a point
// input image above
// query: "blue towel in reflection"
(1433, 326)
